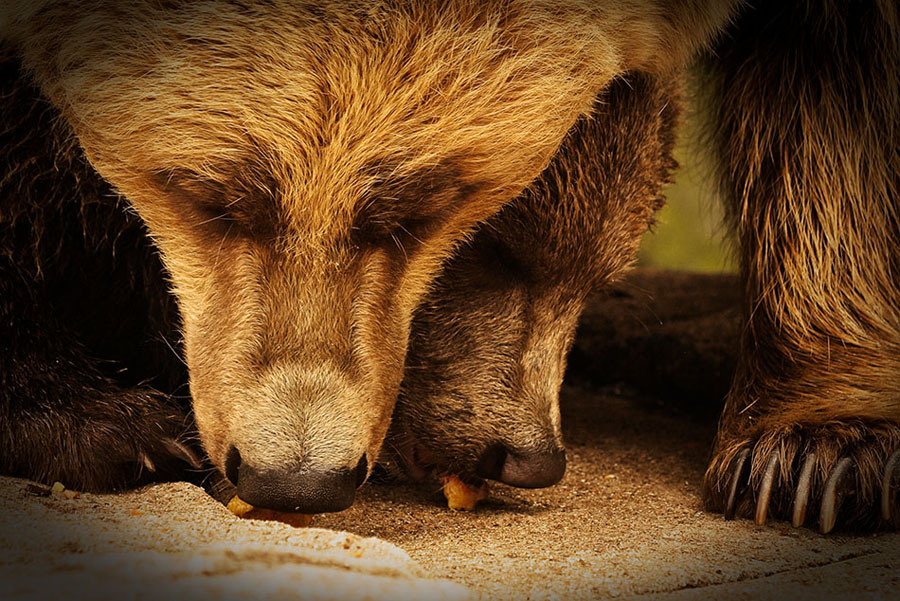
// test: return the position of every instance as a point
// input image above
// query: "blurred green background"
(690, 233)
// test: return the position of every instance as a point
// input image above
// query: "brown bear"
(487, 353)
(304, 168)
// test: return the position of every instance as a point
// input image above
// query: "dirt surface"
(670, 335)
(626, 520)
(173, 541)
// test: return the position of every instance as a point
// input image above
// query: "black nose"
(528, 469)
(301, 488)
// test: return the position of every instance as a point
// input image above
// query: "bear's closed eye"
(244, 202)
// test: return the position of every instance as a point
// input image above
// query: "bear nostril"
(361, 471)
(533, 470)
(232, 464)
(525, 469)
(490, 464)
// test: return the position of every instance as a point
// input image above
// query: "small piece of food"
(461, 496)
(242, 509)
(59, 490)
(239, 507)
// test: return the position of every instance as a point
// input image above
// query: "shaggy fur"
(806, 120)
(304, 168)
(279, 154)
(489, 344)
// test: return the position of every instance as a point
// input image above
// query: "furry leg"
(807, 111)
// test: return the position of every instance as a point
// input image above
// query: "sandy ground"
(625, 521)
(172, 541)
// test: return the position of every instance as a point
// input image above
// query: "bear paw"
(123, 439)
(155, 438)
(839, 472)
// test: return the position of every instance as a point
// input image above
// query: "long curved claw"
(891, 469)
(801, 498)
(832, 495)
(738, 484)
(146, 461)
(765, 488)
(182, 452)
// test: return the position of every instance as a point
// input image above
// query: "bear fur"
(487, 353)
(278, 154)
(804, 114)
(88, 330)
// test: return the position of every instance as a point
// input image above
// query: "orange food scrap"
(242, 509)
(58, 489)
(238, 507)
(461, 496)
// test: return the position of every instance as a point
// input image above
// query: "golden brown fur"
(304, 169)
(280, 154)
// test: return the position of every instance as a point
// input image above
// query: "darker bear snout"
(528, 469)
(299, 487)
